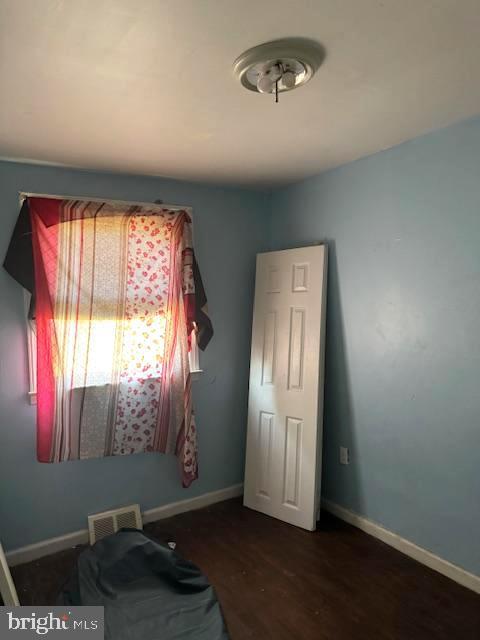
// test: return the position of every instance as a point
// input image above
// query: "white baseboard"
(46, 547)
(52, 545)
(172, 509)
(452, 571)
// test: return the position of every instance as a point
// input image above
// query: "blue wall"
(403, 345)
(403, 334)
(38, 501)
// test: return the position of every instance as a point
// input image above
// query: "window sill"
(32, 395)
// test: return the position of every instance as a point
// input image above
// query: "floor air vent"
(104, 524)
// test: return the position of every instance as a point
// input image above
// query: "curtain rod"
(171, 207)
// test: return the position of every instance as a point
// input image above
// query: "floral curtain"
(117, 295)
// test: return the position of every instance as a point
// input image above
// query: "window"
(193, 356)
(119, 303)
(99, 337)
(31, 352)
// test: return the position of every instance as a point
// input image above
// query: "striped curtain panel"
(115, 306)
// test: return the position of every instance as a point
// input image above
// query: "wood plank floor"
(276, 582)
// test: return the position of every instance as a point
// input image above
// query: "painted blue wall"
(38, 501)
(403, 334)
(403, 346)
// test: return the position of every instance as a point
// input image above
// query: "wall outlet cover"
(344, 455)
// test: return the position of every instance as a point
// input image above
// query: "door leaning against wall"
(285, 411)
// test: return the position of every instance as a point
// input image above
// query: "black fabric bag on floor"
(149, 592)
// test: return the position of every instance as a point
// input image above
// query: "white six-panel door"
(284, 443)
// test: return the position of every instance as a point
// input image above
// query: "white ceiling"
(146, 86)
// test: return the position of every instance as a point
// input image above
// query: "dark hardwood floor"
(278, 582)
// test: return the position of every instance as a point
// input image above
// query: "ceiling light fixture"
(280, 65)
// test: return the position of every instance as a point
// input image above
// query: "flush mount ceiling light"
(280, 65)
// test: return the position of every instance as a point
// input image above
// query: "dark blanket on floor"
(149, 592)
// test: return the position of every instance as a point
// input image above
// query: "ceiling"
(146, 86)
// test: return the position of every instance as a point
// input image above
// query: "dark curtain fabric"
(19, 259)
(204, 325)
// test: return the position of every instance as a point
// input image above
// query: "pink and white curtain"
(115, 307)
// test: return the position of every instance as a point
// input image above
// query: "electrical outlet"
(344, 455)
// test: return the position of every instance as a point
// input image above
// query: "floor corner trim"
(429, 559)
(68, 540)
(190, 504)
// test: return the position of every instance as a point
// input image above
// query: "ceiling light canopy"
(280, 65)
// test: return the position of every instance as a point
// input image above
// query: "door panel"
(293, 457)
(265, 435)
(269, 347)
(282, 476)
(297, 345)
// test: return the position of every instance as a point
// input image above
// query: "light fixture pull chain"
(276, 91)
